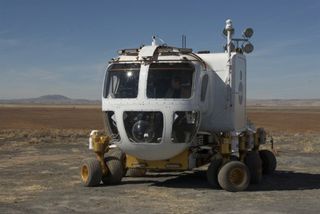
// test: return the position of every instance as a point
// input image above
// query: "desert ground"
(41, 148)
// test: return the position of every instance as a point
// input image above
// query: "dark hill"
(50, 99)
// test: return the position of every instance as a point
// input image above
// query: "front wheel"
(234, 176)
(114, 161)
(90, 172)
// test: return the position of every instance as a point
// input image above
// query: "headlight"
(142, 131)
(143, 127)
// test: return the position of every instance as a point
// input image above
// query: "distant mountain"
(50, 99)
(284, 102)
(53, 97)
(56, 99)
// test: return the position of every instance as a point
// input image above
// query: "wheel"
(234, 176)
(269, 161)
(136, 172)
(90, 172)
(213, 170)
(254, 164)
(234, 158)
(114, 160)
(116, 152)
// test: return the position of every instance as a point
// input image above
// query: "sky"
(63, 46)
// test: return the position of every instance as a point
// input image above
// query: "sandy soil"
(292, 119)
(41, 148)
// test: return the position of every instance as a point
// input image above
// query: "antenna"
(184, 41)
(155, 42)
(229, 29)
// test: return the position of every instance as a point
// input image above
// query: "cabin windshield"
(170, 80)
(122, 81)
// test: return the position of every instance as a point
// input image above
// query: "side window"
(204, 85)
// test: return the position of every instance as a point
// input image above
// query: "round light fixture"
(247, 48)
(248, 32)
(232, 47)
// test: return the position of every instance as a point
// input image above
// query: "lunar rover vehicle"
(170, 109)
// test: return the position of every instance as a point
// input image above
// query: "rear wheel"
(234, 176)
(269, 161)
(114, 160)
(254, 164)
(213, 170)
(90, 172)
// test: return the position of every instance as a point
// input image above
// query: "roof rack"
(160, 49)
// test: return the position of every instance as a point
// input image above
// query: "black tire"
(212, 172)
(234, 158)
(90, 172)
(114, 160)
(116, 152)
(254, 164)
(136, 172)
(234, 176)
(269, 161)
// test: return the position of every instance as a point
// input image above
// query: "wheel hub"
(84, 173)
(236, 176)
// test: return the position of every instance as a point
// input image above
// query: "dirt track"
(39, 170)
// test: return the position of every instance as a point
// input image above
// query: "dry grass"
(299, 142)
(35, 136)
